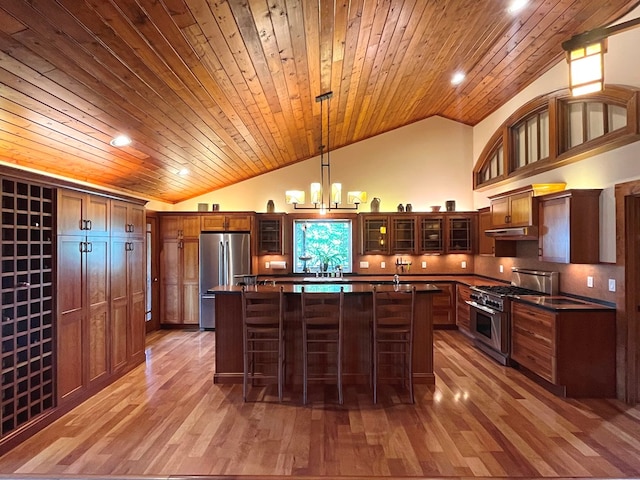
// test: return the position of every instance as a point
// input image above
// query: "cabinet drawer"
(532, 339)
(529, 353)
(536, 322)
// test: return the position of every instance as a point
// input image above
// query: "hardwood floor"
(166, 419)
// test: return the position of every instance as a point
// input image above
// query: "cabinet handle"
(23, 284)
(180, 244)
(82, 248)
(89, 247)
(89, 225)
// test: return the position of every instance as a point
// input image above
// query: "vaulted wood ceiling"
(226, 89)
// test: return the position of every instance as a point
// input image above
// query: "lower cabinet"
(572, 351)
(443, 311)
(463, 312)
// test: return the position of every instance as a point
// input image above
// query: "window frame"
(559, 155)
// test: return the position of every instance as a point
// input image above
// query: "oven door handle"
(481, 307)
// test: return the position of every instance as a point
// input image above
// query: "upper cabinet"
(403, 234)
(460, 233)
(373, 232)
(127, 218)
(226, 222)
(270, 233)
(570, 227)
(432, 234)
(514, 209)
(420, 233)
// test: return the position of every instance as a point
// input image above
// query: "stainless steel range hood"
(515, 233)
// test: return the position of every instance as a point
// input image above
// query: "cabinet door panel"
(191, 304)
(170, 299)
(70, 212)
(137, 219)
(119, 302)
(239, 223)
(213, 223)
(98, 213)
(521, 209)
(137, 294)
(69, 355)
(97, 279)
(118, 332)
(190, 254)
(499, 211)
(119, 218)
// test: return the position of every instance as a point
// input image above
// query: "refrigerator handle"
(221, 266)
(227, 263)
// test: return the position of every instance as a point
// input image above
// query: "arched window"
(556, 129)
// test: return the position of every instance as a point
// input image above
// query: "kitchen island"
(358, 314)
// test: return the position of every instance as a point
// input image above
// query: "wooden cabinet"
(463, 312)
(127, 219)
(432, 234)
(443, 310)
(515, 209)
(128, 283)
(373, 232)
(226, 222)
(83, 290)
(570, 227)
(179, 269)
(403, 234)
(28, 374)
(489, 245)
(572, 350)
(270, 233)
(460, 232)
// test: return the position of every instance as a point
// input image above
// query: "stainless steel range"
(491, 307)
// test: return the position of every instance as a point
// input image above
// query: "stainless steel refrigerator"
(222, 257)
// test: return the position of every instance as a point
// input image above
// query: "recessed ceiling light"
(183, 172)
(457, 78)
(517, 5)
(120, 141)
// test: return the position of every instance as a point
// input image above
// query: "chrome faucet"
(396, 279)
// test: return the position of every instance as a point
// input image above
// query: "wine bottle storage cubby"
(27, 348)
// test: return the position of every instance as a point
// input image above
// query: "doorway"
(152, 309)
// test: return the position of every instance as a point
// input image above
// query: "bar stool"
(263, 336)
(321, 328)
(393, 319)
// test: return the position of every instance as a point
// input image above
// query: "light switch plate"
(364, 264)
(501, 268)
(424, 264)
(612, 284)
(383, 264)
(590, 281)
(267, 265)
(464, 264)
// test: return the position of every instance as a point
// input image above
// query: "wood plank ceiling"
(226, 89)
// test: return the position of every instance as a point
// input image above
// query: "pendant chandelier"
(317, 190)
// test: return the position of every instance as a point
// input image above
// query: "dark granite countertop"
(560, 302)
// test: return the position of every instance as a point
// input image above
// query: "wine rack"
(27, 382)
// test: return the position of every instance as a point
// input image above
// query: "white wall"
(601, 171)
(426, 163)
